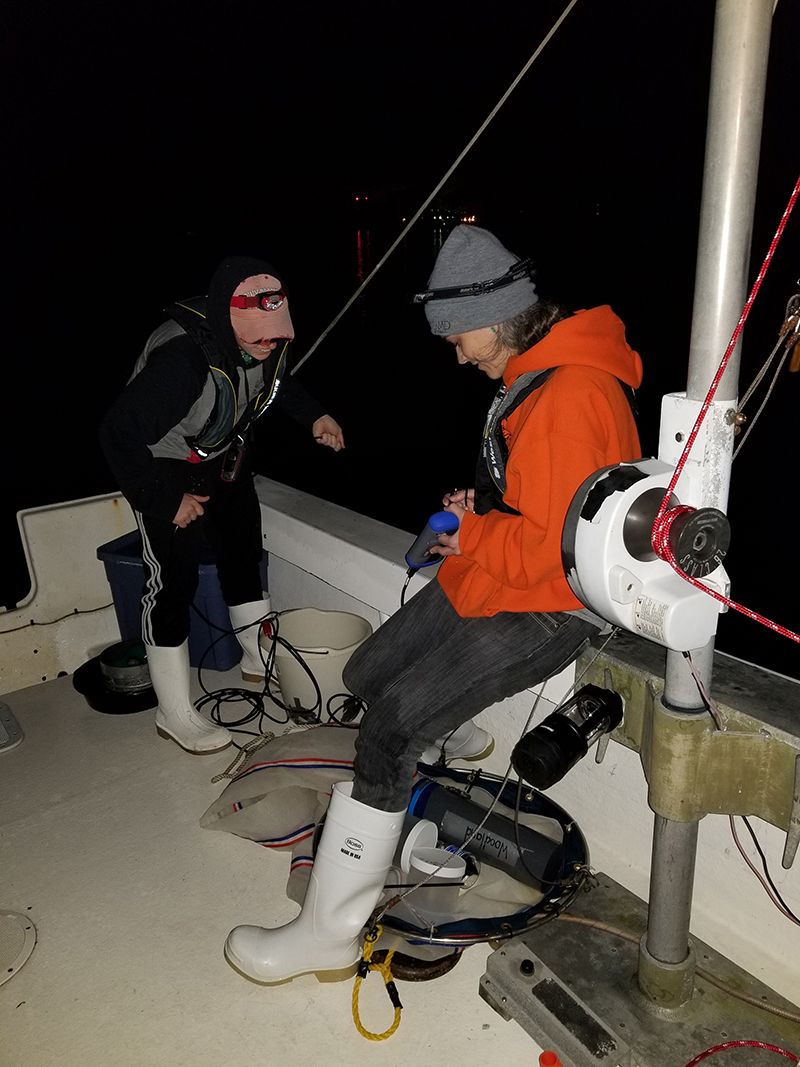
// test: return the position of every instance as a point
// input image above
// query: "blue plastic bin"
(125, 572)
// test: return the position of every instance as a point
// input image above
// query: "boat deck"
(132, 902)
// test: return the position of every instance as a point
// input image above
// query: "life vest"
(225, 423)
(490, 474)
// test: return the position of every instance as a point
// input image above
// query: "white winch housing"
(612, 568)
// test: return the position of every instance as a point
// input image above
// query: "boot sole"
(191, 751)
(479, 755)
(471, 758)
(321, 976)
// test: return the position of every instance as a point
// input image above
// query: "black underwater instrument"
(544, 755)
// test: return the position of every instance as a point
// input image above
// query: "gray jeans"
(426, 671)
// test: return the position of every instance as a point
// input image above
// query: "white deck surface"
(132, 901)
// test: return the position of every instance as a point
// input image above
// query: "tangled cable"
(340, 708)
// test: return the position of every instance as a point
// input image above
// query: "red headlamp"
(264, 301)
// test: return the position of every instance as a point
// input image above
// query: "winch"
(613, 568)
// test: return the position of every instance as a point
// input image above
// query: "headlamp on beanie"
(476, 282)
(524, 268)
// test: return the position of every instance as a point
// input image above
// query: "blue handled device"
(419, 555)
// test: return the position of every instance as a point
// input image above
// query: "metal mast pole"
(738, 78)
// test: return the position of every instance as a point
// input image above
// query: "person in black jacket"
(176, 440)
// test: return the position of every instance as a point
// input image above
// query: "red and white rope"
(666, 516)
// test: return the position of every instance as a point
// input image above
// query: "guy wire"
(436, 190)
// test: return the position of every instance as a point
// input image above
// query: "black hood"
(227, 276)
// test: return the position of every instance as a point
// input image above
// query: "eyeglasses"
(265, 301)
(522, 269)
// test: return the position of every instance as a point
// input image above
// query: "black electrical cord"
(774, 888)
(409, 575)
(312, 714)
(545, 885)
(441, 760)
(234, 694)
(348, 710)
(475, 780)
(777, 899)
(342, 714)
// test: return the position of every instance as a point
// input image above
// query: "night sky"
(145, 142)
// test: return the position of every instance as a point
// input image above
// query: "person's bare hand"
(448, 543)
(328, 432)
(465, 498)
(191, 508)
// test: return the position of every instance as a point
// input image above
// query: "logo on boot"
(353, 848)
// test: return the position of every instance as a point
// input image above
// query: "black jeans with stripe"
(427, 670)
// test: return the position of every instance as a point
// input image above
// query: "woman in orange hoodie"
(501, 616)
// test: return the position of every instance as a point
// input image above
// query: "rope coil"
(365, 966)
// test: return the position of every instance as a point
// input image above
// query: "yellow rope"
(385, 968)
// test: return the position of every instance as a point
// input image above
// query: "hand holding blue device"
(419, 555)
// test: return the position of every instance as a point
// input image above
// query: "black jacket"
(172, 396)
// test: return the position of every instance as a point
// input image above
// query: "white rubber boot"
(350, 867)
(176, 717)
(243, 616)
(468, 742)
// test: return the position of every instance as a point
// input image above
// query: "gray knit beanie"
(471, 255)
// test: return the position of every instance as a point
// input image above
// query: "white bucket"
(325, 640)
(438, 897)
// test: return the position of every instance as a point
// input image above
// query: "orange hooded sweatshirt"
(577, 422)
